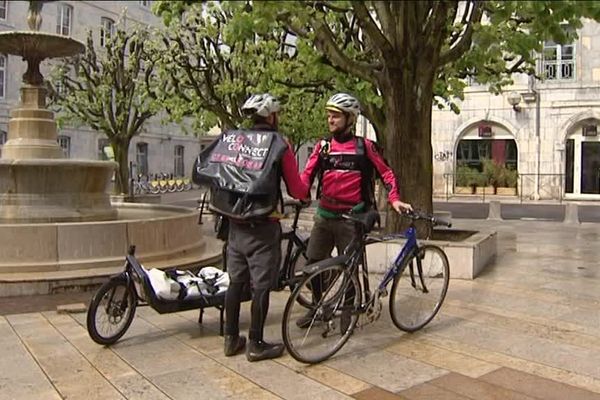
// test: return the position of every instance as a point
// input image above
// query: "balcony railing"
(554, 69)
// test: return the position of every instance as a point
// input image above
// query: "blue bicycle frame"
(411, 244)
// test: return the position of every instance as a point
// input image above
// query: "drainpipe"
(536, 194)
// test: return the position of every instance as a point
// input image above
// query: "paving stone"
(377, 393)
(443, 358)
(536, 386)
(20, 376)
(60, 361)
(125, 378)
(326, 375)
(548, 372)
(387, 370)
(427, 391)
(476, 389)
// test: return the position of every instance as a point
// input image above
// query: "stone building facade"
(159, 148)
(546, 129)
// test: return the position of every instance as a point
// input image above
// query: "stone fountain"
(58, 228)
(36, 183)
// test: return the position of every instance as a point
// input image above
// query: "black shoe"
(304, 321)
(261, 350)
(234, 344)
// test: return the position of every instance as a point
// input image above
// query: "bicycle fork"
(419, 263)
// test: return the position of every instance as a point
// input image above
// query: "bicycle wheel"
(111, 311)
(297, 264)
(331, 319)
(417, 295)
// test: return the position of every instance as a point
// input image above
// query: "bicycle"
(113, 306)
(420, 276)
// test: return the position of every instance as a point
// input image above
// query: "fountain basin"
(55, 190)
(39, 45)
(57, 257)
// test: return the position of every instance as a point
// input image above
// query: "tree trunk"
(121, 150)
(408, 142)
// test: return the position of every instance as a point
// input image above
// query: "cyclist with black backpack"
(244, 168)
(345, 166)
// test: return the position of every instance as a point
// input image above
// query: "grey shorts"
(254, 253)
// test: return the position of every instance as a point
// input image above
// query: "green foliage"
(211, 66)
(399, 58)
(110, 89)
(511, 177)
(499, 175)
(467, 176)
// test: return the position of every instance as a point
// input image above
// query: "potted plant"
(510, 179)
(464, 178)
(488, 178)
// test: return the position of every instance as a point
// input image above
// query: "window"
(2, 75)
(178, 167)
(472, 152)
(107, 30)
(104, 153)
(558, 61)
(64, 19)
(145, 3)
(65, 144)
(141, 158)
(3, 9)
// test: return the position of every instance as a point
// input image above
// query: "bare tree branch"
(463, 44)
(371, 29)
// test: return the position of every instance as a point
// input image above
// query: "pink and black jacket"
(346, 171)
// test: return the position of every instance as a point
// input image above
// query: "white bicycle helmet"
(342, 102)
(262, 104)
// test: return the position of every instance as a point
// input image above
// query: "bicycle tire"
(299, 260)
(112, 312)
(410, 307)
(309, 344)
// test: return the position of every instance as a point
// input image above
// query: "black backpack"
(243, 169)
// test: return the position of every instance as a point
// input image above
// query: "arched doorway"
(582, 159)
(480, 142)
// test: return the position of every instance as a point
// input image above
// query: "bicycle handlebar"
(429, 218)
(369, 218)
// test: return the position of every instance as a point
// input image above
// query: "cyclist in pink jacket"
(345, 166)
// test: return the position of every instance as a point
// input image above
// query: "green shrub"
(463, 175)
(511, 177)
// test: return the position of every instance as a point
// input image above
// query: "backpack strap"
(323, 152)
(366, 169)
(367, 184)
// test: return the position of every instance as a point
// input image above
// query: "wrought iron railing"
(529, 186)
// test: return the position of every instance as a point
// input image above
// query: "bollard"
(494, 211)
(571, 214)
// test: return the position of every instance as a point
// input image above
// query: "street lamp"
(514, 99)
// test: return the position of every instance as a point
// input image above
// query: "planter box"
(467, 257)
(463, 190)
(506, 191)
(484, 190)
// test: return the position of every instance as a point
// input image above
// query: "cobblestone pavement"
(527, 328)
